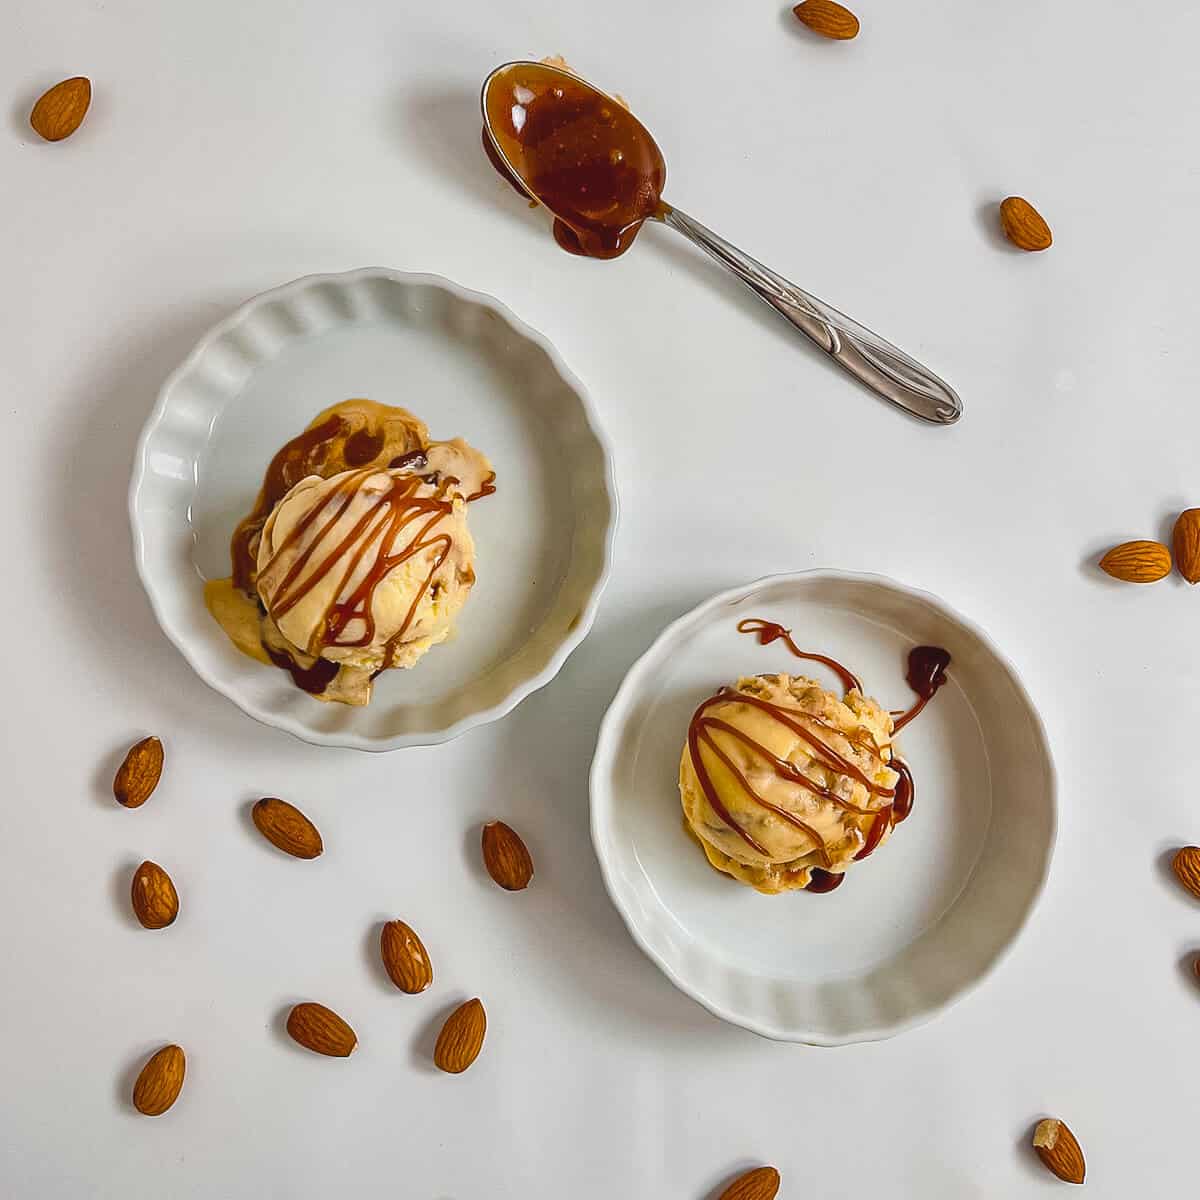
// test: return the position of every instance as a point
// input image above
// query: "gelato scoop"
(780, 779)
(357, 556)
(368, 568)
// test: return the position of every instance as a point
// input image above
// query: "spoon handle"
(884, 368)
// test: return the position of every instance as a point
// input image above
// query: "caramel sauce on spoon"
(577, 151)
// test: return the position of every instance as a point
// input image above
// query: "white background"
(235, 144)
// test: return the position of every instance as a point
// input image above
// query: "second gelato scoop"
(779, 777)
(367, 568)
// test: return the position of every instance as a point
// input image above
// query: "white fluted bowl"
(464, 364)
(914, 926)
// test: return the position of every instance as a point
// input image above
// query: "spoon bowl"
(575, 150)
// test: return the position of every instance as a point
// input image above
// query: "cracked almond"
(461, 1039)
(153, 895)
(1059, 1151)
(139, 773)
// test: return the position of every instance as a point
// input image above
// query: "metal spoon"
(885, 369)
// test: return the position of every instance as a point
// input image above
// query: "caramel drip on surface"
(314, 679)
(926, 673)
(824, 881)
(906, 790)
(768, 632)
(880, 826)
(897, 811)
(377, 531)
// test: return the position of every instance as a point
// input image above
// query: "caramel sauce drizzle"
(824, 881)
(487, 487)
(926, 673)
(314, 679)
(768, 632)
(377, 531)
(292, 462)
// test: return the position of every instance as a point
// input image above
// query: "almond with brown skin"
(405, 958)
(1186, 865)
(155, 900)
(139, 773)
(505, 856)
(828, 19)
(160, 1081)
(1023, 225)
(1137, 562)
(760, 1184)
(321, 1030)
(461, 1039)
(1185, 541)
(287, 828)
(1059, 1151)
(60, 111)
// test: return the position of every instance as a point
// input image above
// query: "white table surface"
(232, 146)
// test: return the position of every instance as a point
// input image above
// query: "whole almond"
(320, 1029)
(1059, 1151)
(287, 828)
(827, 18)
(155, 901)
(1137, 562)
(60, 111)
(159, 1081)
(760, 1184)
(506, 857)
(1186, 865)
(1023, 225)
(1186, 544)
(461, 1039)
(405, 958)
(139, 773)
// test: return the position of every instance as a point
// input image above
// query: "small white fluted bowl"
(914, 926)
(464, 364)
